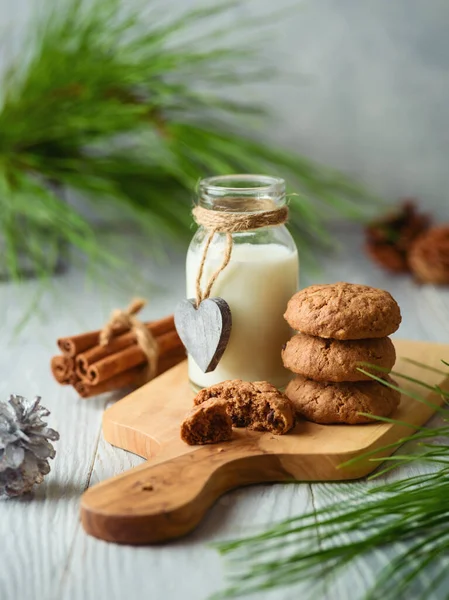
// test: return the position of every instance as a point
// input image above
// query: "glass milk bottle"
(260, 278)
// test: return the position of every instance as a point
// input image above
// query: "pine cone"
(429, 256)
(389, 239)
(24, 445)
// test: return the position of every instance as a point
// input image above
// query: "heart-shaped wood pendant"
(205, 330)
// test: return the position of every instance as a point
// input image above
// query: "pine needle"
(122, 106)
(409, 516)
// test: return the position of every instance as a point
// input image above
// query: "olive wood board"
(167, 496)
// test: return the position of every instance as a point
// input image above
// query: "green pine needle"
(121, 106)
(409, 517)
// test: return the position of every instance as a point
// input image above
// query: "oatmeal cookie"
(335, 360)
(341, 402)
(343, 311)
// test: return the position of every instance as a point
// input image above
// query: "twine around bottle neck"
(230, 222)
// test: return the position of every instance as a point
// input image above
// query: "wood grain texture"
(167, 497)
(44, 552)
(38, 530)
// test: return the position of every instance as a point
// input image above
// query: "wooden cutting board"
(168, 495)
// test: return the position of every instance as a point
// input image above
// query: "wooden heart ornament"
(205, 330)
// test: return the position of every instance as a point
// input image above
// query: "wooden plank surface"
(44, 553)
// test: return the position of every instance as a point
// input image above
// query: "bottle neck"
(242, 193)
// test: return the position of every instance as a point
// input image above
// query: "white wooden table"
(44, 552)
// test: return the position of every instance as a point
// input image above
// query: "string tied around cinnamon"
(126, 320)
(230, 222)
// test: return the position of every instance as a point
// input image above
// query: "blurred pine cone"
(25, 445)
(388, 240)
(429, 256)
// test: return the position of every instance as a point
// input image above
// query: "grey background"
(371, 99)
(367, 90)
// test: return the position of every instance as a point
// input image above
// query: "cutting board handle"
(151, 504)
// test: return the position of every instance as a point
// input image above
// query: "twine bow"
(121, 320)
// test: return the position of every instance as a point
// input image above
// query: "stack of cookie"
(341, 325)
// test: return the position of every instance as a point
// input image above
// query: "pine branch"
(412, 511)
(115, 105)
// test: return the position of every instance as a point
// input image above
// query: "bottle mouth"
(243, 183)
(241, 193)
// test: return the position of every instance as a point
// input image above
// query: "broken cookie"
(208, 423)
(256, 405)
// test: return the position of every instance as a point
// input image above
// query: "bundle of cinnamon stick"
(93, 368)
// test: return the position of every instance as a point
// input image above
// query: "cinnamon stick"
(97, 353)
(132, 356)
(94, 369)
(132, 377)
(73, 345)
(62, 368)
(85, 389)
(73, 378)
